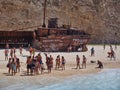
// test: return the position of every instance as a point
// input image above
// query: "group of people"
(34, 64)
(12, 52)
(13, 64)
(60, 63)
(78, 62)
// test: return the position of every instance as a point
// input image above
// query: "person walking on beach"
(63, 61)
(6, 54)
(84, 61)
(112, 54)
(77, 62)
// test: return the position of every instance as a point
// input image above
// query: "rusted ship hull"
(62, 43)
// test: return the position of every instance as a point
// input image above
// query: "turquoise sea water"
(105, 80)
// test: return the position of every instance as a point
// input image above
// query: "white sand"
(57, 75)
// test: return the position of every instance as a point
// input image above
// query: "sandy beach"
(21, 80)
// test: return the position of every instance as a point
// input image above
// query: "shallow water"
(105, 80)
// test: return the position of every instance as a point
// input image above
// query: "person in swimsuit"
(84, 61)
(63, 61)
(6, 54)
(78, 62)
(9, 66)
(28, 64)
(13, 66)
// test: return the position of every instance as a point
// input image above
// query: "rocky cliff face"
(101, 18)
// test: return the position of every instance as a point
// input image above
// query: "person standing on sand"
(77, 62)
(51, 58)
(18, 65)
(63, 61)
(28, 64)
(13, 66)
(37, 66)
(57, 62)
(92, 51)
(47, 60)
(39, 59)
(49, 65)
(42, 68)
(20, 51)
(84, 61)
(6, 54)
(7, 46)
(31, 51)
(11, 53)
(9, 65)
(14, 51)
